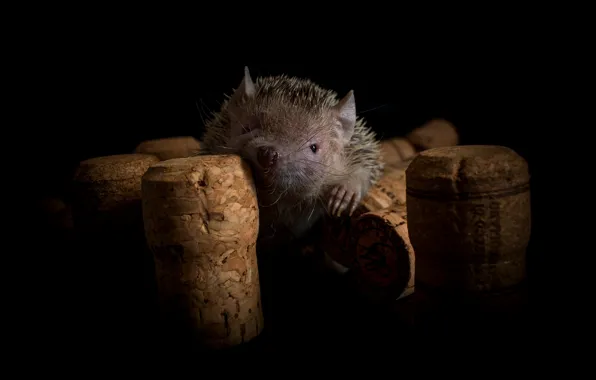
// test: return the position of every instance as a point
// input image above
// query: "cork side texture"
(201, 223)
(397, 150)
(385, 258)
(108, 223)
(107, 190)
(469, 217)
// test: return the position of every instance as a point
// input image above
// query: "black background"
(105, 91)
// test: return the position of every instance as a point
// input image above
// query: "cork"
(108, 225)
(436, 133)
(107, 192)
(397, 150)
(389, 190)
(384, 257)
(201, 221)
(433, 134)
(469, 218)
(338, 237)
(171, 147)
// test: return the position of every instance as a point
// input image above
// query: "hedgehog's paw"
(344, 197)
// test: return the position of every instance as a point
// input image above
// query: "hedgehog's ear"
(246, 90)
(346, 114)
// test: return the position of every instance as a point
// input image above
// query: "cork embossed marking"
(486, 220)
(464, 196)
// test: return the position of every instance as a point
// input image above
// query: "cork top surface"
(114, 167)
(467, 168)
(178, 169)
(179, 142)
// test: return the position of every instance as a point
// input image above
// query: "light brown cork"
(171, 147)
(397, 150)
(108, 231)
(201, 221)
(469, 218)
(385, 262)
(389, 191)
(436, 133)
(107, 191)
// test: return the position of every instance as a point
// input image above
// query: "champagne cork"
(436, 133)
(338, 238)
(201, 221)
(108, 223)
(384, 258)
(469, 218)
(171, 147)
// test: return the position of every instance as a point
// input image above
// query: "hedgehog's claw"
(343, 198)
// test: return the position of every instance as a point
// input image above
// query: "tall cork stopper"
(201, 222)
(170, 147)
(469, 218)
(108, 222)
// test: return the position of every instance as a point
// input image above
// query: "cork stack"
(107, 220)
(469, 220)
(170, 147)
(201, 222)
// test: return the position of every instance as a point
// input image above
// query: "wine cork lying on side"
(433, 134)
(338, 237)
(397, 150)
(201, 221)
(389, 190)
(171, 147)
(384, 256)
(469, 218)
(436, 133)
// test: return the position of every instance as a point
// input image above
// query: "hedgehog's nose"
(267, 157)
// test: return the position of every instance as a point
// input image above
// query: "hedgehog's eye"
(314, 148)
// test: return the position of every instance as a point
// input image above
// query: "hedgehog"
(310, 154)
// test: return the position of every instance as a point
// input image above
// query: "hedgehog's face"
(292, 134)
(294, 154)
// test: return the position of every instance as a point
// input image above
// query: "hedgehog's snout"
(267, 157)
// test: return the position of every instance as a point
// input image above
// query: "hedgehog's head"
(292, 132)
